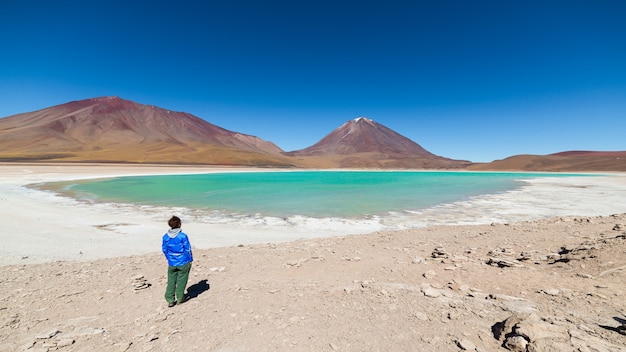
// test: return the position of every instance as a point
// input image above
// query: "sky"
(472, 80)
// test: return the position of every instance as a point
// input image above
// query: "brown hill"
(364, 143)
(110, 129)
(570, 161)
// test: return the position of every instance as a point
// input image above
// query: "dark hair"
(174, 222)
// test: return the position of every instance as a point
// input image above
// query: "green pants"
(177, 277)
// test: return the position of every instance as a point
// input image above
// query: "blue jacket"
(177, 248)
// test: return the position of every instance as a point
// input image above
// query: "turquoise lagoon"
(314, 194)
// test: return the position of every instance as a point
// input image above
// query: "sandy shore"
(551, 284)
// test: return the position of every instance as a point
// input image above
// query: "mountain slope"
(114, 129)
(364, 143)
(570, 161)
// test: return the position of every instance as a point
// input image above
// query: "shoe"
(171, 304)
(185, 299)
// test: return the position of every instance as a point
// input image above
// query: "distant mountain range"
(571, 161)
(110, 129)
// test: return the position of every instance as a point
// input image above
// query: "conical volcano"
(362, 142)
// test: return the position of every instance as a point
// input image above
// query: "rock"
(516, 344)
(618, 227)
(452, 315)
(501, 329)
(503, 263)
(417, 260)
(502, 297)
(294, 263)
(431, 292)
(551, 291)
(93, 331)
(551, 345)
(421, 316)
(587, 341)
(524, 256)
(536, 329)
(429, 274)
(599, 295)
(139, 283)
(65, 342)
(500, 251)
(585, 276)
(553, 257)
(539, 334)
(439, 252)
(49, 334)
(447, 293)
(466, 345)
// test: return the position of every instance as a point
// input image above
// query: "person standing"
(177, 251)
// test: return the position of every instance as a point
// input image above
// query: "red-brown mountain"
(570, 161)
(111, 129)
(364, 143)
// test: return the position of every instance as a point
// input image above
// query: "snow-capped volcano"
(364, 135)
(362, 142)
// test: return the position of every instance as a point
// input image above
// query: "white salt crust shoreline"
(42, 227)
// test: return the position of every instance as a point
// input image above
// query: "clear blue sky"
(475, 80)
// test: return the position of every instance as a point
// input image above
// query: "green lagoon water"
(315, 194)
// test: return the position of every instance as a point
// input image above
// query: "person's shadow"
(195, 290)
(620, 329)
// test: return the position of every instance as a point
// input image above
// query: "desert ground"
(554, 284)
